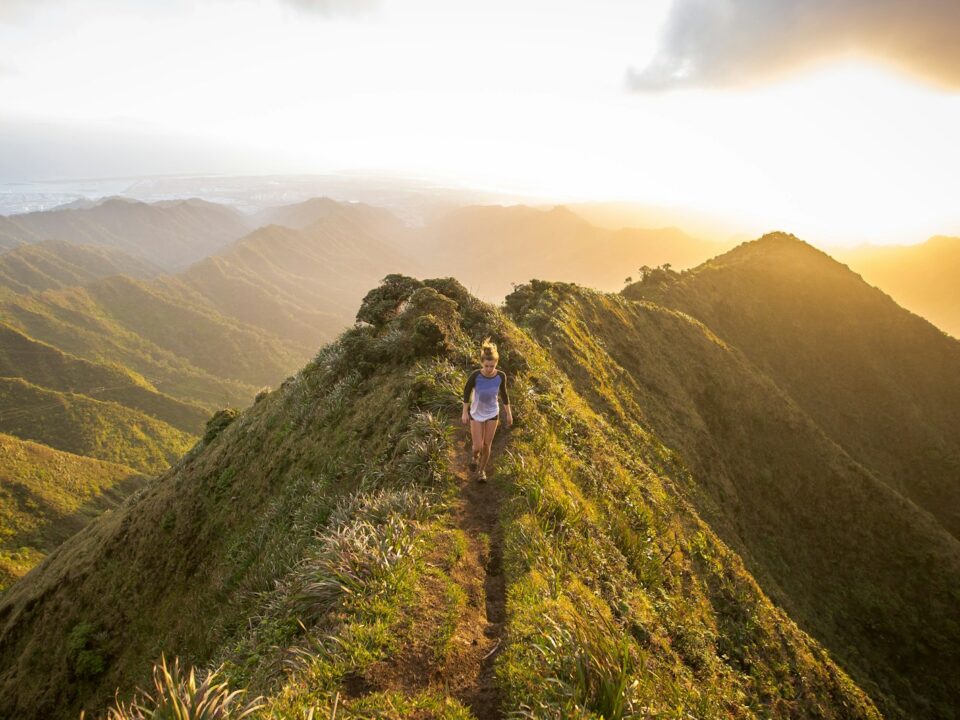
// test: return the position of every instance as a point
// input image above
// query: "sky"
(832, 120)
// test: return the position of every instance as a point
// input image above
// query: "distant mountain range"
(170, 234)
(921, 278)
(491, 248)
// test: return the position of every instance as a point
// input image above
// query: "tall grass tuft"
(178, 697)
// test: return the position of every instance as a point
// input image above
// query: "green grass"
(84, 426)
(311, 559)
(48, 495)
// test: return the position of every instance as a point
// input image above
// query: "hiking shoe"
(473, 465)
(483, 476)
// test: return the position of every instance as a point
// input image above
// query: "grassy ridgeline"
(871, 576)
(297, 546)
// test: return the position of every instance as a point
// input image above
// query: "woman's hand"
(509, 417)
(464, 418)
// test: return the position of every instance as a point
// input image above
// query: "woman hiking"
(488, 386)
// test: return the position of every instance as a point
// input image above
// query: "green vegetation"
(79, 325)
(46, 496)
(56, 264)
(176, 696)
(314, 552)
(857, 566)
(84, 426)
(46, 366)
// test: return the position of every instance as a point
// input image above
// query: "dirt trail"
(477, 514)
(466, 671)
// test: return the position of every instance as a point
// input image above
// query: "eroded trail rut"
(477, 515)
(467, 670)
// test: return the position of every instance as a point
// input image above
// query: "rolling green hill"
(103, 324)
(170, 234)
(46, 366)
(47, 496)
(326, 550)
(879, 380)
(56, 264)
(85, 426)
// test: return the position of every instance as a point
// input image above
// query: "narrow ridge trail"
(477, 514)
(466, 672)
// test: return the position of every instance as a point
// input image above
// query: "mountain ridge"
(612, 577)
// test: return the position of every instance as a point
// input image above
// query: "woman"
(488, 386)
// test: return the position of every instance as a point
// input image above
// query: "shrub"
(382, 304)
(179, 697)
(216, 424)
(85, 657)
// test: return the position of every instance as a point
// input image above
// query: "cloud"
(336, 8)
(742, 42)
(13, 12)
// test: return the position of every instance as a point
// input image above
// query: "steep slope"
(56, 264)
(321, 545)
(12, 234)
(47, 495)
(303, 284)
(85, 426)
(921, 278)
(170, 234)
(491, 247)
(880, 381)
(103, 323)
(46, 366)
(866, 572)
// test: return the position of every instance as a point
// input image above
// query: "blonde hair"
(488, 350)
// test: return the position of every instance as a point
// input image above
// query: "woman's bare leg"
(489, 430)
(476, 436)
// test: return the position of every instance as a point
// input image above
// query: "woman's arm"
(505, 397)
(467, 389)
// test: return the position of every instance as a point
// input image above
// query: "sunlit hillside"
(47, 496)
(922, 278)
(667, 532)
(878, 379)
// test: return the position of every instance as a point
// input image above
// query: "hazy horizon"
(833, 121)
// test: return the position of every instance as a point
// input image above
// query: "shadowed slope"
(861, 568)
(880, 381)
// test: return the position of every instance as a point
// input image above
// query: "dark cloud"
(739, 42)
